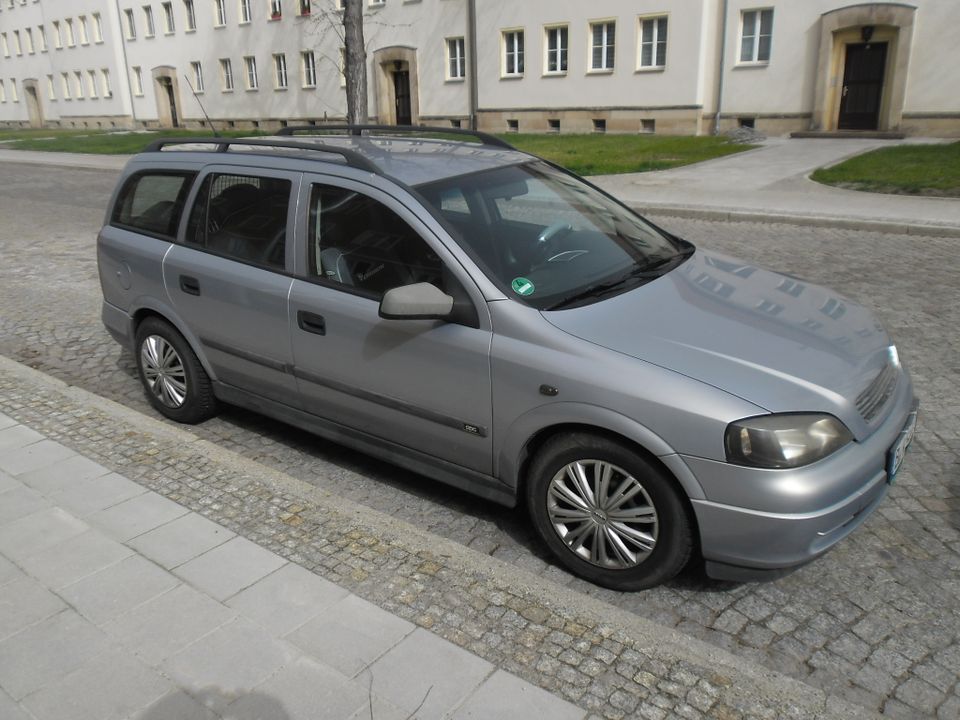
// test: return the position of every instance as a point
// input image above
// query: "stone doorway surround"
(31, 92)
(165, 114)
(891, 23)
(386, 61)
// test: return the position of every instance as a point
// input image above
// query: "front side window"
(226, 73)
(653, 42)
(3, 92)
(756, 35)
(603, 45)
(42, 38)
(547, 238)
(456, 60)
(309, 68)
(69, 29)
(359, 243)
(557, 45)
(153, 203)
(513, 53)
(65, 83)
(280, 71)
(78, 84)
(251, 67)
(242, 217)
(57, 38)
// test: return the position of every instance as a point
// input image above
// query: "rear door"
(230, 276)
(421, 384)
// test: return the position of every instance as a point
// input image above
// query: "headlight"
(784, 441)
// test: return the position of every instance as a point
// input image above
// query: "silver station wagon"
(485, 318)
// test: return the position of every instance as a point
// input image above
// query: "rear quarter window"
(152, 202)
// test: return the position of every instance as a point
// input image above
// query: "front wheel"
(607, 513)
(173, 378)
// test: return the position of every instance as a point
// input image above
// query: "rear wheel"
(174, 380)
(608, 514)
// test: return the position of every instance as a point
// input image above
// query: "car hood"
(776, 341)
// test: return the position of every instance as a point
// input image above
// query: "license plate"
(899, 449)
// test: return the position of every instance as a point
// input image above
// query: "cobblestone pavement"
(876, 621)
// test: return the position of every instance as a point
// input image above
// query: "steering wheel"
(547, 236)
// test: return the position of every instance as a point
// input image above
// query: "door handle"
(311, 322)
(190, 285)
(845, 88)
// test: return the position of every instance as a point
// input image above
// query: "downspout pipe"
(723, 57)
(472, 35)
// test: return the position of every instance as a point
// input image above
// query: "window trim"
(758, 11)
(518, 54)
(604, 70)
(641, 19)
(280, 72)
(226, 71)
(560, 72)
(462, 58)
(186, 191)
(304, 75)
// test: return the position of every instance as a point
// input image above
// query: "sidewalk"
(771, 183)
(118, 602)
(146, 573)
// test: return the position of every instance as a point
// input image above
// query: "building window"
(131, 25)
(28, 40)
(97, 28)
(69, 27)
(16, 43)
(513, 53)
(92, 84)
(603, 45)
(6, 48)
(168, 17)
(137, 81)
(197, 77)
(276, 9)
(304, 7)
(280, 71)
(191, 15)
(226, 74)
(244, 11)
(756, 34)
(42, 38)
(653, 42)
(78, 84)
(3, 92)
(343, 67)
(83, 30)
(148, 20)
(309, 69)
(13, 91)
(557, 46)
(65, 83)
(51, 89)
(456, 59)
(105, 82)
(250, 63)
(57, 38)
(220, 10)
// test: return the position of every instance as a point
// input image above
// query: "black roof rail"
(351, 157)
(483, 137)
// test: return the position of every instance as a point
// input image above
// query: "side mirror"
(420, 301)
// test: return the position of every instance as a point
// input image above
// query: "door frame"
(167, 116)
(844, 82)
(891, 23)
(31, 94)
(385, 64)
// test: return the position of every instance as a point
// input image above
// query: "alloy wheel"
(163, 371)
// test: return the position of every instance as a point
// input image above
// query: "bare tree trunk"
(356, 63)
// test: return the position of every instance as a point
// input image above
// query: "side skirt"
(462, 478)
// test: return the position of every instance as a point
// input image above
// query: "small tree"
(355, 62)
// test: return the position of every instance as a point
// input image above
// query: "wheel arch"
(149, 307)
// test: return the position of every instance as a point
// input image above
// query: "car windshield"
(549, 239)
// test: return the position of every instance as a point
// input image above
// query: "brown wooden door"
(862, 86)
(401, 89)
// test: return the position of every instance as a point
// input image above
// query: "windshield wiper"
(650, 271)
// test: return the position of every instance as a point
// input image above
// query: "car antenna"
(202, 108)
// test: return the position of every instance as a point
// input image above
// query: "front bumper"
(782, 519)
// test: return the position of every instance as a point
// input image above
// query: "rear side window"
(153, 202)
(243, 217)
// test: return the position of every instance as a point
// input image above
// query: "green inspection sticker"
(522, 286)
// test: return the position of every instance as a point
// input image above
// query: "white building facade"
(677, 66)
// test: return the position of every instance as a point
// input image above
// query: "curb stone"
(608, 661)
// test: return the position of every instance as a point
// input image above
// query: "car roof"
(413, 160)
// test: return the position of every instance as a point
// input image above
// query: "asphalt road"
(877, 620)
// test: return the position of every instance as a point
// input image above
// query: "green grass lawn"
(904, 170)
(584, 154)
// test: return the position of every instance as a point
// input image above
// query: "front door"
(401, 91)
(862, 86)
(167, 86)
(33, 107)
(421, 385)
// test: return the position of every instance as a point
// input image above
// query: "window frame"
(308, 71)
(246, 13)
(281, 80)
(250, 72)
(197, 68)
(460, 44)
(518, 52)
(131, 24)
(190, 11)
(562, 50)
(169, 21)
(137, 80)
(227, 83)
(756, 36)
(655, 43)
(608, 49)
(220, 13)
(151, 28)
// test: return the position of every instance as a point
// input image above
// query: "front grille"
(876, 394)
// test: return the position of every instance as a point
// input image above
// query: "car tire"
(637, 535)
(174, 380)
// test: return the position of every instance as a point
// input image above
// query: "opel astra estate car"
(492, 321)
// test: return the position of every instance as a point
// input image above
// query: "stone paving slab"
(476, 616)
